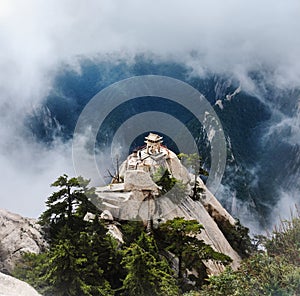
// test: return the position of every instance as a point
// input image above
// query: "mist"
(39, 40)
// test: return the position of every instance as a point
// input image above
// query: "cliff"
(137, 197)
(18, 235)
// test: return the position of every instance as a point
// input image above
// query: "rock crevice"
(18, 235)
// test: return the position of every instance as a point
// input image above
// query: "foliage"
(172, 188)
(197, 191)
(68, 205)
(258, 275)
(179, 237)
(31, 269)
(273, 272)
(163, 178)
(237, 235)
(192, 293)
(82, 257)
(148, 274)
(285, 240)
(194, 161)
(75, 270)
(66, 269)
(131, 230)
(83, 260)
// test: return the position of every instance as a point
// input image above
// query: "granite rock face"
(211, 234)
(18, 235)
(137, 198)
(10, 286)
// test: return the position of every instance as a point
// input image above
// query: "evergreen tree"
(179, 237)
(82, 258)
(237, 235)
(74, 269)
(68, 205)
(70, 268)
(148, 274)
(131, 231)
(165, 180)
(194, 161)
(108, 255)
(31, 269)
(171, 188)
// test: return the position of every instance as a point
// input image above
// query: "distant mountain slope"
(263, 153)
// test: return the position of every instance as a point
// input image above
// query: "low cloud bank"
(37, 39)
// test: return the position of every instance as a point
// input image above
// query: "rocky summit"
(134, 195)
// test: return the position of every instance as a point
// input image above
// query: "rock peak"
(137, 197)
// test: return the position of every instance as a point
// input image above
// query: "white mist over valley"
(55, 57)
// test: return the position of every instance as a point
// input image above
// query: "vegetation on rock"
(172, 188)
(237, 234)
(179, 237)
(84, 260)
(194, 161)
(81, 257)
(147, 272)
(275, 271)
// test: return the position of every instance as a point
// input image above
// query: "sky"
(37, 38)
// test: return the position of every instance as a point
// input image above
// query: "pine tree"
(68, 205)
(82, 256)
(108, 253)
(131, 231)
(74, 269)
(68, 268)
(194, 161)
(179, 236)
(165, 180)
(148, 274)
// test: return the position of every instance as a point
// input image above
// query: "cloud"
(37, 38)
(287, 206)
(27, 170)
(227, 37)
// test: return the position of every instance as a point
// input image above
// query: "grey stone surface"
(139, 180)
(177, 169)
(162, 208)
(17, 236)
(211, 234)
(10, 286)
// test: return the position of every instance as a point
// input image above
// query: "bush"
(274, 272)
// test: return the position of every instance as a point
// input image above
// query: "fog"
(38, 39)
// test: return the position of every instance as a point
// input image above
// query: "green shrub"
(275, 272)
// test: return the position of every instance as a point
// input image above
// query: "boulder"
(18, 235)
(10, 286)
(139, 180)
